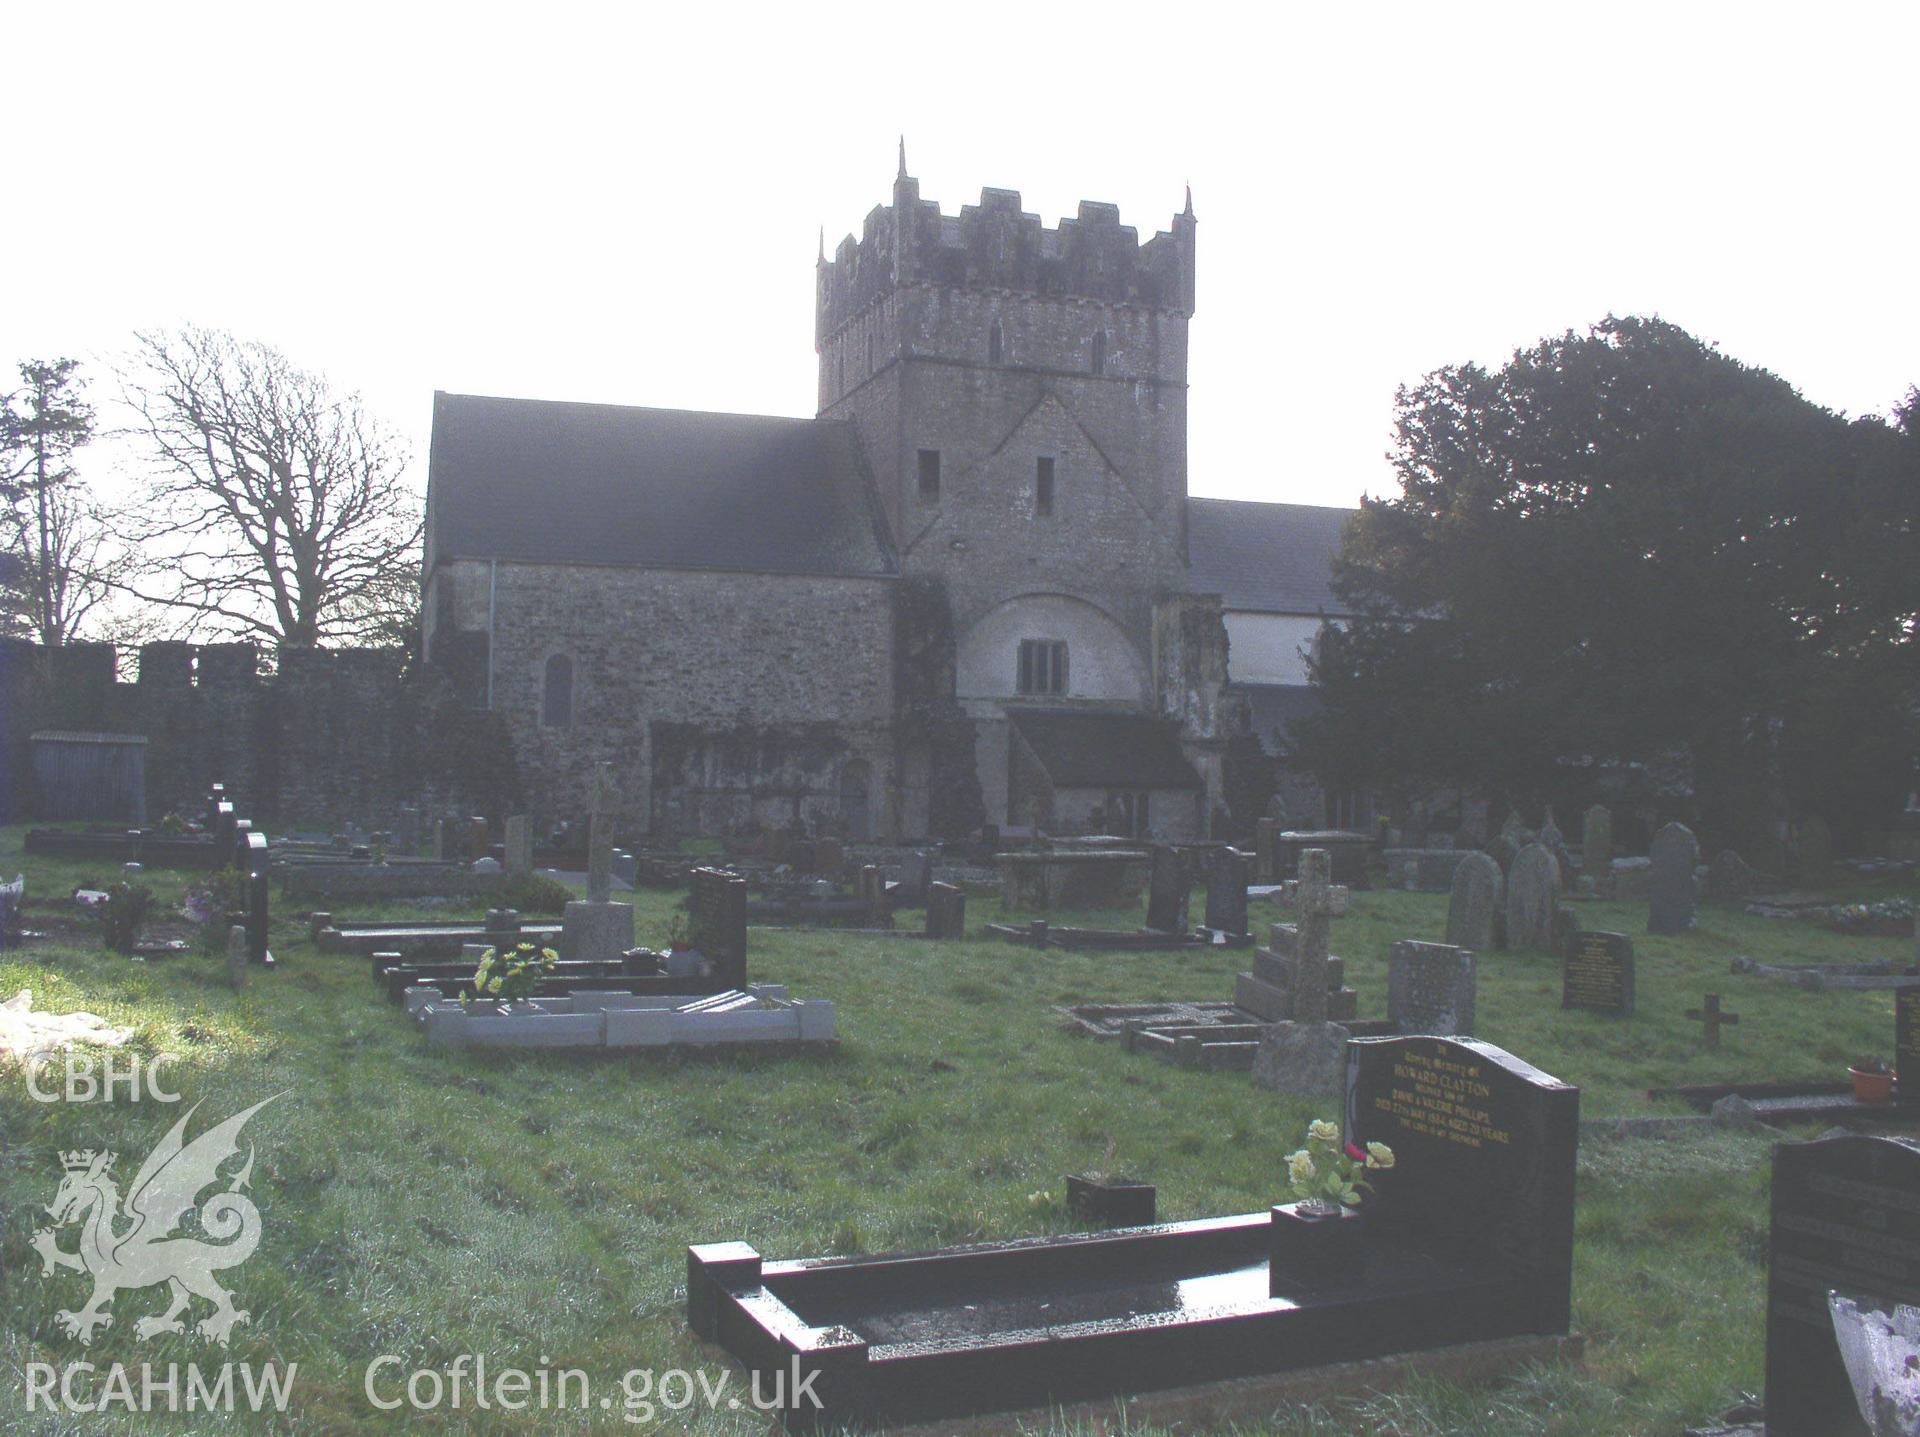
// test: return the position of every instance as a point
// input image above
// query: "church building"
(973, 591)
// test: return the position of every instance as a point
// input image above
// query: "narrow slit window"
(995, 343)
(1043, 487)
(930, 476)
(1099, 351)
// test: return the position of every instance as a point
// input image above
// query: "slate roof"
(1265, 558)
(1271, 707)
(543, 481)
(1104, 750)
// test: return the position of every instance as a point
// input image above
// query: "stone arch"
(1103, 662)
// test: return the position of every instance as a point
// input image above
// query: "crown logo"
(80, 1159)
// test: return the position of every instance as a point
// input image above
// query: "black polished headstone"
(1168, 885)
(1484, 1149)
(1906, 1044)
(916, 873)
(946, 911)
(718, 910)
(1598, 975)
(1846, 1217)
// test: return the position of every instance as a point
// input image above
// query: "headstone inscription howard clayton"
(1598, 975)
(1846, 1220)
(1493, 1141)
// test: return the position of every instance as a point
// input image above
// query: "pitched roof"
(1265, 558)
(1104, 750)
(549, 482)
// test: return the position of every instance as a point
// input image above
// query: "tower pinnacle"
(903, 157)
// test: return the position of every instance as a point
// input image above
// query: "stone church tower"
(1021, 397)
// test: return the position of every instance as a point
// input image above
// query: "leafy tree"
(57, 562)
(278, 505)
(1625, 547)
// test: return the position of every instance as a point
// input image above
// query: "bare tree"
(276, 506)
(55, 559)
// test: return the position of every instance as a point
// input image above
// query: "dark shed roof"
(549, 482)
(1268, 558)
(1104, 750)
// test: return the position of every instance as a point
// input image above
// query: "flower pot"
(1314, 1246)
(1110, 1204)
(1871, 1087)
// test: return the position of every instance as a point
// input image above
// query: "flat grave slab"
(1116, 940)
(427, 938)
(1819, 976)
(758, 1015)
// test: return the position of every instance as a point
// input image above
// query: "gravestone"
(916, 872)
(1845, 1218)
(1266, 842)
(255, 868)
(827, 857)
(1169, 884)
(1476, 897)
(1598, 975)
(946, 911)
(1532, 886)
(1714, 1017)
(1555, 842)
(1306, 1056)
(871, 888)
(238, 943)
(1674, 854)
(519, 857)
(598, 930)
(1484, 1148)
(1227, 891)
(717, 912)
(1731, 876)
(1906, 1044)
(1430, 988)
(1596, 847)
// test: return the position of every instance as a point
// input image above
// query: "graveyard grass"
(537, 1210)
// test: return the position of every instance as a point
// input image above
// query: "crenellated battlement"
(997, 245)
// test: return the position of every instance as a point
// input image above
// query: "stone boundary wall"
(326, 737)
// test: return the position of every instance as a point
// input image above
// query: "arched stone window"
(1099, 351)
(996, 344)
(556, 693)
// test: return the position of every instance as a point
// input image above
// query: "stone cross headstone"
(1596, 846)
(1533, 884)
(1845, 1220)
(519, 859)
(1484, 1148)
(1168, 886)
(1317, 902)
(1715, 1017)
(1227, 891)
(237, 945)
(946, 911)
(1675, 854)
(1598, 975)
(600, 835)
(1475, 898)
(1430, 988)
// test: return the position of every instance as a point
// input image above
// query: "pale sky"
(622, 203)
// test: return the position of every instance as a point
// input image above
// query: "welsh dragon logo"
(150, 1250)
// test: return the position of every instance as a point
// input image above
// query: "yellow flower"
(492, 985)
(1322, 1131)
(1379, 1155)
(1300, 1168)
